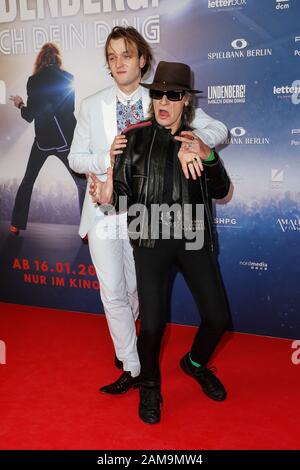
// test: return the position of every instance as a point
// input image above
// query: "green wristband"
(210, 158)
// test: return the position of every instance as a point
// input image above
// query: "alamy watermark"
(160, 221)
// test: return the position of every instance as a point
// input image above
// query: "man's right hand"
(118, 144)
(102, 192)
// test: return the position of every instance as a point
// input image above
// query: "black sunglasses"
(171, 95)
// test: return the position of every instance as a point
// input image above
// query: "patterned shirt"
(129, 114)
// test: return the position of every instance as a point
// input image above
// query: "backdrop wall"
(245, 56)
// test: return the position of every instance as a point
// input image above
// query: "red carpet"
(57, 360)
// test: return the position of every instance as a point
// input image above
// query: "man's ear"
(142, 61)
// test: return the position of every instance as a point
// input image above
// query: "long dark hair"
(188, 112)
(131, 36)
(48, 55)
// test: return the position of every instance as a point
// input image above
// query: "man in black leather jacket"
(156, 170)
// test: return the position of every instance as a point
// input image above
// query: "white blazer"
(95, 131)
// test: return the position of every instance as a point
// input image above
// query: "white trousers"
(112, 257)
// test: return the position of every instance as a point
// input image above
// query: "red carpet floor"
(57, 360)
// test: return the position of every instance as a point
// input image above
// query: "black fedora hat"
(173, 76)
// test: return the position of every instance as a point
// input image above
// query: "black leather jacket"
(50, 103)
(139, 175)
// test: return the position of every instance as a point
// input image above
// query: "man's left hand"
(191, 143)
(17, 100)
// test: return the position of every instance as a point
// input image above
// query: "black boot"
(150, 401)
(205, 377)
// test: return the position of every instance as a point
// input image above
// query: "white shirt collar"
(133, 98)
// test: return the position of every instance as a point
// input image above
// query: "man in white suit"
(97, 140)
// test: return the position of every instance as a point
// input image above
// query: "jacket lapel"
(146, 102)
(109, 114)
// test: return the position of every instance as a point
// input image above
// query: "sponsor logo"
(297, 51)
(239, 43)
(238, 131)
(289, 224)
(276, 179)
(240, 50)
(255, 265)
(226, 4)
(282, 4)
(294, 141)
(226, 94)
(238, 136)
(288, 91)
(236, 178)
(226, 222)
(276, 175)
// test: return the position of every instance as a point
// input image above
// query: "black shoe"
(150, 401)
(118, 363)
(124, 383)
(205, 377)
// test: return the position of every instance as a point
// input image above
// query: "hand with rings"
(195, 159)
(190, 163)
(191, 143)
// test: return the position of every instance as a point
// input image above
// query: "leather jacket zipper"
(147, 184)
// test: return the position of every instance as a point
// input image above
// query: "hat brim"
(168, 87)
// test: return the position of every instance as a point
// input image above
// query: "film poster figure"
(50, 104)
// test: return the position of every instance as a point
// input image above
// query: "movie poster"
(245, 59)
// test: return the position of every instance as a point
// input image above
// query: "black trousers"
(201, 273)
(36, 160)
